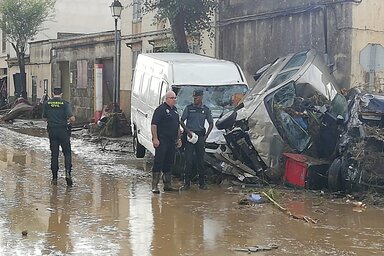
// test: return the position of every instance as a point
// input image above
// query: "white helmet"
(193, 139)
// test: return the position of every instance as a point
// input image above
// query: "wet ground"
(111, 211)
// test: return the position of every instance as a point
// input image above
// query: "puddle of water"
(111, 211)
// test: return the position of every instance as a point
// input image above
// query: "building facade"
(139, 34)
(81, 65)
(255, 32)
(70, 16)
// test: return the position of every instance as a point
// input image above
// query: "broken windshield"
(284, 106)
(220, 99)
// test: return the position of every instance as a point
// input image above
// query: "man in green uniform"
(58, 114)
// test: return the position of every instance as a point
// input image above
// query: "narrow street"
(111, 211)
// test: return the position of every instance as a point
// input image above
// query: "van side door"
(151, 91)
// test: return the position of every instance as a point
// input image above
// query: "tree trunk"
(21, 61)
(178, 31)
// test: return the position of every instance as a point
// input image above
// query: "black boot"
(68, 178)
(202, 184)
(54, 178)
(167, 179)
(155, 182)
(187, 183)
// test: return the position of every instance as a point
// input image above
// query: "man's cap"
(198, 93)
(57, 91)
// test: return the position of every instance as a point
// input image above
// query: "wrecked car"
(360, 157)
(296, 110)
(295, 106)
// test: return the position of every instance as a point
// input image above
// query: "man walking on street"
(165, 138)
(195, 114)
(59, 116)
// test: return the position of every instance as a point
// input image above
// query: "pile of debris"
(295, 125)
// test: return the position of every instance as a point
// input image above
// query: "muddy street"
(111, 211)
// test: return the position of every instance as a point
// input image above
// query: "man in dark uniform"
(165, 138)
(195, 114)
(59, 116)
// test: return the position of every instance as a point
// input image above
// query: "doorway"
(65, 79)
(107, 81)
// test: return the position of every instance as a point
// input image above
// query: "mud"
(111, 211)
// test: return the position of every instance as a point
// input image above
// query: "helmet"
(193, 139)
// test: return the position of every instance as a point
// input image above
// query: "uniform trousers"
(164, 156)
(194, 156)
(60, 136)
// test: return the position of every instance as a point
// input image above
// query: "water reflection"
(177, 227)
(111, 211)
(58, 238)
(141, 220)
(10, 157)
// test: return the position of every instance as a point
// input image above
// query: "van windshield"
(219, 99)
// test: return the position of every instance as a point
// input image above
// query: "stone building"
(255, 32)
(69, 17)
(82, 65)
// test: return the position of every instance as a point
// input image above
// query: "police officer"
(59, 116)
(165, 138)
(195, 114)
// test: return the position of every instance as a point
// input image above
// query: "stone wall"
(68, 52)
(256, 32)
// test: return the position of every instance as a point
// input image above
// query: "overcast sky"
(79, 16)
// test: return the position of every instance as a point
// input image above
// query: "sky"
(78, 16)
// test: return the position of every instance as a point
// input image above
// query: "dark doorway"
(107, 81)
(64, 79)
(34, 89)
(3, 91)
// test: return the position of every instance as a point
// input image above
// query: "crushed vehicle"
(297, 107)
(360, 157)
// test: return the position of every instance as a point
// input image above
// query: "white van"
(157, 73)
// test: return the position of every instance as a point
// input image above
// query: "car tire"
(138, 149)
(335, 182)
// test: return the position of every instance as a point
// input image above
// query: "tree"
(191, 16)
(21, 20)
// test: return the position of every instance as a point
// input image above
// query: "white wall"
(367, 28)
(78, 16)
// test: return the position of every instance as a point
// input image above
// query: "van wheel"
(137, 147)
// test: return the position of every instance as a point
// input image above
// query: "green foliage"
(21, 20)
(196, 15)
(170, 46)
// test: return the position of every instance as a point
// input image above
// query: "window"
(82, 74)
(137, 11)
(282, 77)
(137, 82)
(293, 128)
(34, 89)
(297, 60)
(218, 98)
(144, 85)
(153, 92)
(164, 87)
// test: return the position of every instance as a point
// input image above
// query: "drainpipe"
(325, 29)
